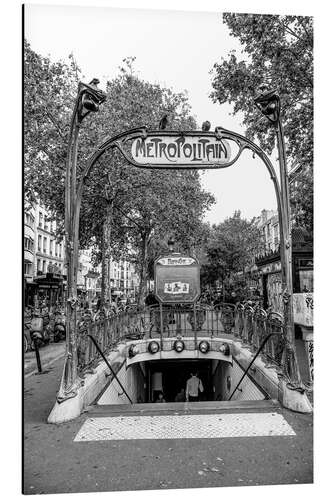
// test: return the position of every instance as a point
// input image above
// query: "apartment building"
(269, 264)
(29, 244)
(49, 251)
(44, 268)
(123, 278)
(88, 275)
(45, 271)
(268, 224)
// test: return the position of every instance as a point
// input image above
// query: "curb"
(46, 365)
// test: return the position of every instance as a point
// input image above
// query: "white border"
(11, 241)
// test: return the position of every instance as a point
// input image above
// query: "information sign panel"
(177, 279)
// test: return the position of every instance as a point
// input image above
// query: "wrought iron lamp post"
(88, 99)
(268, 102)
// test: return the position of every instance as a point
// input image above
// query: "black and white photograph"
(167, 249)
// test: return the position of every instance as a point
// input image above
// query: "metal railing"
(249, 325)
(253, 325)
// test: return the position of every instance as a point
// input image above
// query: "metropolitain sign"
(185, 150)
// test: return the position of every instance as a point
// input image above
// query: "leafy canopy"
(144, 203)
(231, 247)
(277, 51)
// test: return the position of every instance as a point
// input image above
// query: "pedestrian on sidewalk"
(193, 386)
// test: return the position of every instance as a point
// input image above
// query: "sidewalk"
(48, 355)
(55, 463)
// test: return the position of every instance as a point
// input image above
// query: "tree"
(158, 201)
(278, 52)
(123, 208)
(232, 245)
(49, 92)
(176, 205)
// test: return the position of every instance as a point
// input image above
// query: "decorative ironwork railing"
(253, 325)
(245, 323)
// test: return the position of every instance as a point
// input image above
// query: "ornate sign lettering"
(176, 261)
(189, 150)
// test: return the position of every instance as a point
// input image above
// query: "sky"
(173, 48)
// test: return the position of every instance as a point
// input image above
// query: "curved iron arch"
(118, 140)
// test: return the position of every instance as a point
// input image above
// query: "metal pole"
(39, 365)
(88, 99)
(110, 368)
(290, 363)
(161, 324)
(269, 104)
(195, 326)
(253, 360)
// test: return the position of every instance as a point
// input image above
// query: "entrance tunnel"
(144, 381)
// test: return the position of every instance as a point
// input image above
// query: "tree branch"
(60, 132)
(129, 218)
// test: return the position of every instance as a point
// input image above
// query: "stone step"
(192, 407)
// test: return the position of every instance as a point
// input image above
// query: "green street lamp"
(268, 102)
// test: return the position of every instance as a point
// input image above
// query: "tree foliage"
(277, 51)
(133, 207)
(49, 93)
(231, 247)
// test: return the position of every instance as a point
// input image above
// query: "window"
(44, 244)
(44, 266)
(39, 243)
(46, 225)
(27, 268)
(51, 247)
(40, 220)
(60, 248)
(39, 265)
(306, 280)
(56, 249)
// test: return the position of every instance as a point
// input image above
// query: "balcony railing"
(242, 323)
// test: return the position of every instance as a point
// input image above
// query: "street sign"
(181, 150)
(177, 279)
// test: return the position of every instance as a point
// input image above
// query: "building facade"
(123, 278)
(88, 278)
(268, 225)
(29, 245)
(49, 252)
(44, 270)
(269, 265)
(262, 280)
